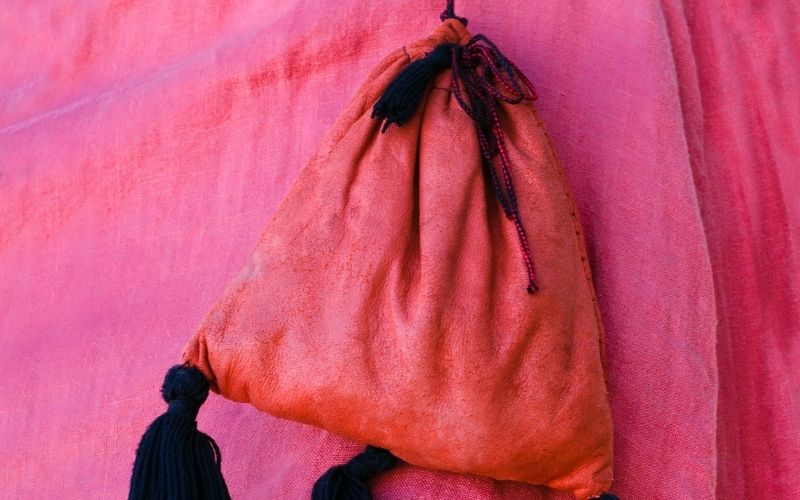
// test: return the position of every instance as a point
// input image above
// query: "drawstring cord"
(482, 79)
(481, 68)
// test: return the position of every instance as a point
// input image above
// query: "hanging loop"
(450, 13)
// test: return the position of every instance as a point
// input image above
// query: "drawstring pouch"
(423, 289)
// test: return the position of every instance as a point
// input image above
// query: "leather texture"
(386, 301)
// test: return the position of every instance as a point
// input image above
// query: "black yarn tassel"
(402, 97)
(349, 481)
(608, 496)
(174, 460)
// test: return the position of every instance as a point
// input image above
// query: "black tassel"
(349, 481)
(174, 460)
(401, 99)
(608, 496)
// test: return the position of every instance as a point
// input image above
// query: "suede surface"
(386, 300)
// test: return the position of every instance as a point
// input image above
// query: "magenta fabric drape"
(144, 145)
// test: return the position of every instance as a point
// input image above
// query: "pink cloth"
(143, 146)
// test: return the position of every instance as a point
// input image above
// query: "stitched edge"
(581, 243)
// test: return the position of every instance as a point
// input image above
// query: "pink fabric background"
(144, 145)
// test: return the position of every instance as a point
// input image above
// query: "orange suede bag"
(386, 300)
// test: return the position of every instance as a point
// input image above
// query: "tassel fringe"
(174, 460)
(349, 481)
